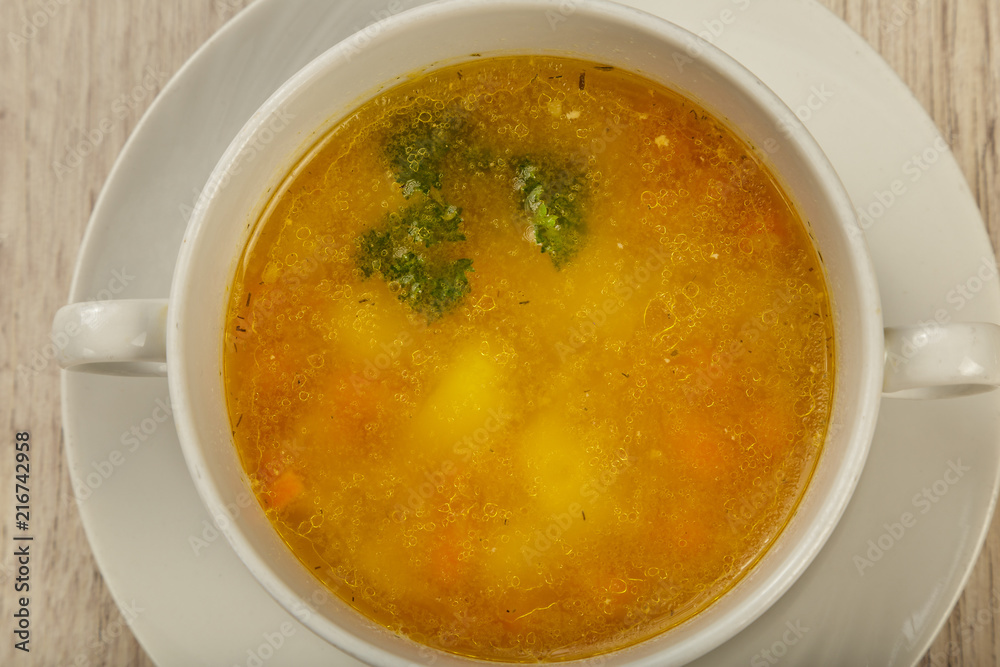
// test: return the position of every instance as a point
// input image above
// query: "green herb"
(411, 250)
(479, 160)
(551, 197)
(416, 153)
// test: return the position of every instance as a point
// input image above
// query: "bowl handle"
(120, 337)
(956, 359)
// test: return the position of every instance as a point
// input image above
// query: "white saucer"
(145, 520)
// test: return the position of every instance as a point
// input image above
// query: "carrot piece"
(705, 456)
(286, 488)
(270, 466)
(445, 566)
(772, 429)
(701, 447)
(691, 533)
(770, 224)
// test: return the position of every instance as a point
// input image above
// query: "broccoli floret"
(416, 153)
(409, 250)
(551, 197)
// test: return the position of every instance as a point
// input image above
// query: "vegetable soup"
(529, 359)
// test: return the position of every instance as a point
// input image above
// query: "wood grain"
(62, 79)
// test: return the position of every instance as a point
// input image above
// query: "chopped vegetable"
(551, 200)
(479, 160)
(286, 487)
(445, 566)
(416, 153)
(411, 250)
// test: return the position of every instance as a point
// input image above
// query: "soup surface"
(529, 359)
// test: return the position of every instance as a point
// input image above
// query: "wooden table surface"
(63, 63)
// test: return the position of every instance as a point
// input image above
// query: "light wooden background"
(91, 51)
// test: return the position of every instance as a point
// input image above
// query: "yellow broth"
(579, 449)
